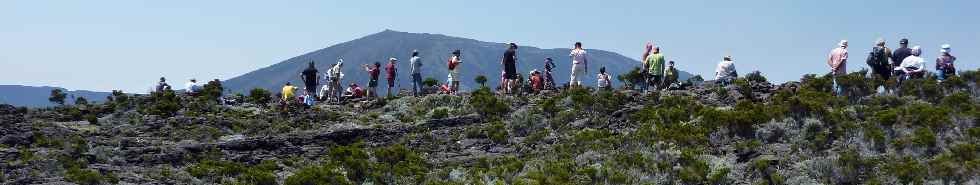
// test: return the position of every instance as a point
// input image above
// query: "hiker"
(648, 49)
(899, 54)
(336, 75)
(374, 71)
(325, 92)
(391, 70)
(453, 65)
(353, 92)
(655, 62)
(510, 68)
(604, 81)
(162, 85)
(548, 79)
(912, 67)
(670, 75)
(725, 72)
(308, 98)
(416, 63)
(288, 92)
(944, 63)
(535, 79)
(580, 64)
(309, 78)
(878, 61)
(838, 64)
(192, 87)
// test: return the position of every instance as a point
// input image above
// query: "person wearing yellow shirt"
(288, 92)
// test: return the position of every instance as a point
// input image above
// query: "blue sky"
(106, 45)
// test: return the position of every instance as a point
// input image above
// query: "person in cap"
(374, 71)
(509, 63)
(878, 62)
(391, 70)
(900, 53)
(580, 64)
(656, 63)
(838, 64)
(416, 63)
(309, 78)
(725, 71)
(162, 85)
(913, 66)
(944, 63)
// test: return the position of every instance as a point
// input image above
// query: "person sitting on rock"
(604, 81)
(912, 67)
(353, 92)
(536, 81)
(162, 85)
(725, 73)
(670, 75)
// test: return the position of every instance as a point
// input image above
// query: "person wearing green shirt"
(656, 64)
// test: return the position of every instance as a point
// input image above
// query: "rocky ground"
(752, 132)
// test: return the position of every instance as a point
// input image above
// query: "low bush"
(259, 96)
(487, 104)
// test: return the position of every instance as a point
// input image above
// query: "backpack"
(451, 64)
(876, 57)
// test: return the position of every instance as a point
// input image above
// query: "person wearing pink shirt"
(838, 63)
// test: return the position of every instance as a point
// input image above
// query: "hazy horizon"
(128, 45)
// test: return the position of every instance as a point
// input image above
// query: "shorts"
(373, 83)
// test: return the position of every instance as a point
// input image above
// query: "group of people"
(903, 63)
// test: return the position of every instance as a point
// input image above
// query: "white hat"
(842, 43)
(916, 50)
(945, 48)
(392, 58)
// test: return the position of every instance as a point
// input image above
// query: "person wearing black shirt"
(310, 79)
(903, 51)
(510, 67)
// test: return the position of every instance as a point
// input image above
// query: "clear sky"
(128, 44)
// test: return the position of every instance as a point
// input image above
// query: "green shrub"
(211, 169)
(258, 177)
(259, 96)
(936, 117)
(164, 104)
(906, 169)
(854, 167)
(212, 91)
(351, 158)
(887, 117)
(482, 80)
(429, 82)
(398, 161)
(497, 132)
(756, 76)
(81, 101)
(487, 104)
(89, 177)
(323, 174)
(923, 137)
(439, 113)
(57, 96)
(924, 89)
(91, 118)
(552, 172)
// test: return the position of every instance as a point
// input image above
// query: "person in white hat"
(838, 63)
(913, 66)
(944, 63)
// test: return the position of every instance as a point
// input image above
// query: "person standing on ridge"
(336, 75)
(656, 63)
(453, 66)
(670, 75)
(375, 72)
(309, 78)
(192, 88)
(510, 68)
(547, 78)
(162, 85)
(604, 81)
(643, 84)
(391, 70)
(878, 62)
(725, 72)
(580, 64)
(838, 64)
(944, 63)
(416, 63)
(900, 53)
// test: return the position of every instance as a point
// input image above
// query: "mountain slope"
(28, 96)
(479, 58)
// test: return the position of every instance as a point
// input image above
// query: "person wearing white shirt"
(580, 64)
(191, 87)
(913, 66)
(725, 72)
